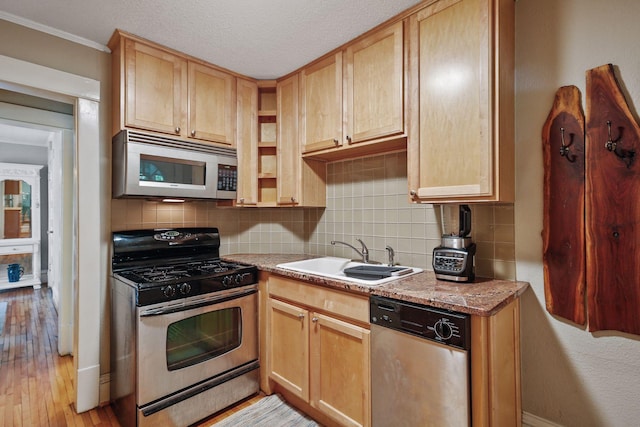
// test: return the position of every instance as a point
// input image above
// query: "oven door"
(183, 343)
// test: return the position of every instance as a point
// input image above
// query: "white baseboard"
(530, 420)
(87, 390)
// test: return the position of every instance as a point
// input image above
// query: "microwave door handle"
(202, 302)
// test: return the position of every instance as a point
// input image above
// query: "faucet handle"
(391, 254)
(365, 250)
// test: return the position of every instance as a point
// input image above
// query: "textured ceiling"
(258, 38)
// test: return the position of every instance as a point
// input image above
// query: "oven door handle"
(201, 302)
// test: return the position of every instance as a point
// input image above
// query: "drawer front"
(17, 249)
(343, 304)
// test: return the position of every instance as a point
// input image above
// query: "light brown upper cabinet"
(301, 182)
(154, 89)
(321, 104)
(374, 86)
(257, 159)
(159, 90)
(273, 172)
(289, 159)
(212, 97)
(461, 146)
(352, 101)
(247, 146)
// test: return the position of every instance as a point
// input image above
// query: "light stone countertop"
(483, 297)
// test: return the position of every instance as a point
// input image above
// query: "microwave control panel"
(227, 178)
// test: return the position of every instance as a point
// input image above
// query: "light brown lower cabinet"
(315, 351)
(495, 368)
(318, 350)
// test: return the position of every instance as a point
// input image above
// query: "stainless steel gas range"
(184, 327)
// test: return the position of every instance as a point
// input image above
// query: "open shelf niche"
(267, 143)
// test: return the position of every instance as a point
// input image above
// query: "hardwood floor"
(36, 384)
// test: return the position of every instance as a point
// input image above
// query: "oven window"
(203, 337)
(163, 169)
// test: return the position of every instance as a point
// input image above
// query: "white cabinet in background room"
(20, 224)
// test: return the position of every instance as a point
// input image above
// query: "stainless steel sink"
(333, 267)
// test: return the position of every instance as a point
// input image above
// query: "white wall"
(569, 376)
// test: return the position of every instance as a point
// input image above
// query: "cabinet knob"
(335, 141)
(349, 139)
(193, 132)
(314, 319)
(413, 193)
(178, 129)
(293, 199)
(301, 316)
(241, 199)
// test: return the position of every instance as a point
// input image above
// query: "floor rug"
(272, 411)
(3, 315)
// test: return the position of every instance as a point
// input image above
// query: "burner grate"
(165, 273)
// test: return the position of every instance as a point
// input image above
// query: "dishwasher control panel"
(443, 326)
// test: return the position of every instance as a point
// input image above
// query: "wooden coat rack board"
(563, 233)
(603, 256)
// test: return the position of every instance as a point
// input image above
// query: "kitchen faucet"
(364, 253)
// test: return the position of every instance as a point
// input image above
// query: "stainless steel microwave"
(158, 167)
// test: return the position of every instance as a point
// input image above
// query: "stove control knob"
(169, 291)
(185, 288)
(226, 281)
(239, 278)
(443, 330)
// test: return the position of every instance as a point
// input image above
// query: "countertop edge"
(483, 297)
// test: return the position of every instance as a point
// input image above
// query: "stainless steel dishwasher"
(420, 365)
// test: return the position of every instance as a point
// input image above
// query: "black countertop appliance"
(453, 260)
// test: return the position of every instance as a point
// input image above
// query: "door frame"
(59, 236)
(90, 272)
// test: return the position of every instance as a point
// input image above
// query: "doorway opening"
(89, 268)
(45, 138)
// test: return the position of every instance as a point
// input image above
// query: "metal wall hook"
(610, 144)
(564, 148)
(627, 156)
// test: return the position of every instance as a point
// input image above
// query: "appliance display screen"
(171, 171)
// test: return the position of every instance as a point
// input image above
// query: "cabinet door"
(375, 86)
(289, 347)
(156, 84)
(340, 370)
(11, 223)
(247, 142)
(454, 72)
(212, 109)
(321, 104)
(288, 147)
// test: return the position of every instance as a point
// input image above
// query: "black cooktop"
(169, 264)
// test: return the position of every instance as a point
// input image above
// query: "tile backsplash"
(366, 198)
